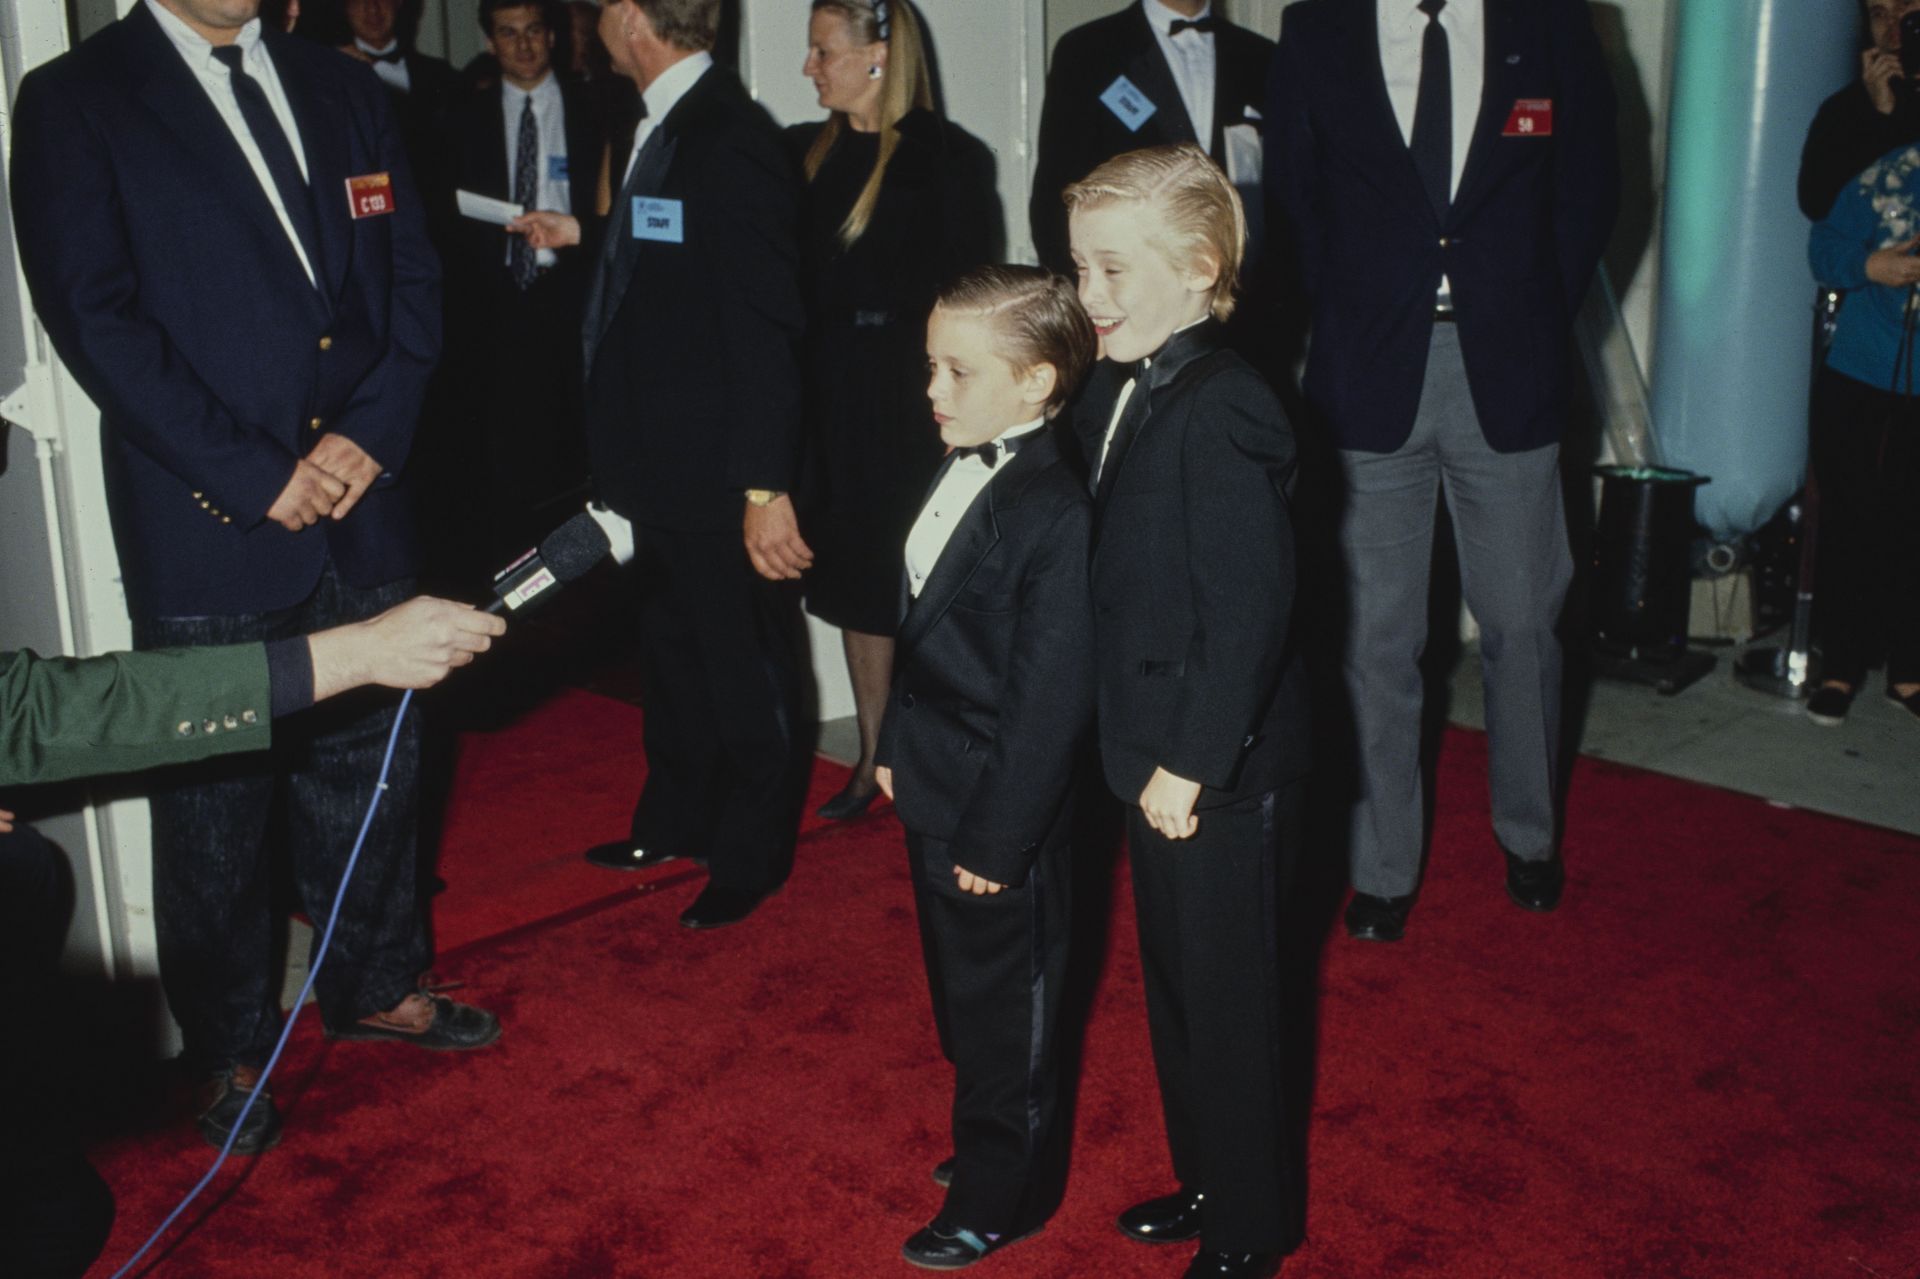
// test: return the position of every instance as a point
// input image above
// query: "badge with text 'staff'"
(1530, 118)
(1132, 107)
(370, 195)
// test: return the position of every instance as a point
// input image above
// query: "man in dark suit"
(223, 241)
(422, 88)
(1159, 71)
(513, 315)
(693, 422)
(1448, 171)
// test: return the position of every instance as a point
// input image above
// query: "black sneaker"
(222, 1099)
(1828, 706)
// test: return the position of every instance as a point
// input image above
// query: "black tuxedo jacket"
(993, 684)
(692, 367)
(1519, 245)
(1078, 132)
(169, 287)
(478, 250)
(1193, 577)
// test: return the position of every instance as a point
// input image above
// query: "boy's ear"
(1037, 384)
(1203, 274)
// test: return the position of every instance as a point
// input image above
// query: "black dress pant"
(212, 824)
(996, 965)
(1866, 457)
(728, 747)
(1208, 908)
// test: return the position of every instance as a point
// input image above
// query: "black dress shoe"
(1171, 1218)
(623, 854)
(1371, 918)
(222, 1099)
(943, 1172)
(1535, 885)
(717, 907)
(941, 1245)
(1210, 1264)
(848, 804)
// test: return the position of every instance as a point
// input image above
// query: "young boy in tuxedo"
(1202, 715)
(992, 696)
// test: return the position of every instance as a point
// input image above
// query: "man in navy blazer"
(1448, 176)
(223, 241)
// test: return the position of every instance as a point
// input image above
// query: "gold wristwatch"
(763, 497)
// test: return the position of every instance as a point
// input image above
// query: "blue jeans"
(215, 827)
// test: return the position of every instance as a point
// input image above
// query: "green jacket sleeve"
(64, 717)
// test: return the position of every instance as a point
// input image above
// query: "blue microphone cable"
(319, 957)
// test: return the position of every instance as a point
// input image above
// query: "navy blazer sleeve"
(80, 267)
(1291, 168)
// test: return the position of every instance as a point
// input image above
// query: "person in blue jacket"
(1866, 438)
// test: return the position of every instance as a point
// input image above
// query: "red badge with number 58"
(370, 195)
(1531, 118)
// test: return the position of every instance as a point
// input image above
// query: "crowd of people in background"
(588, 265)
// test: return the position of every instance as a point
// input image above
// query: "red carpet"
(1702, 1066)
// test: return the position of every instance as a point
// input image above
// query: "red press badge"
(1531, 118)
(370, 195)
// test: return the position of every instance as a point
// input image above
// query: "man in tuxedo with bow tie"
(224, 243)
(1448, 174)
(693, 317)
(1155, 73)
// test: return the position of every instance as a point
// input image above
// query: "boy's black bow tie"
(990, 451)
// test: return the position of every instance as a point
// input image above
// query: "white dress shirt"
(1403, 28)
(662, 96)
(553, 194)
(952, 498)
(218, 83)
(393, 74)
(1190, 55)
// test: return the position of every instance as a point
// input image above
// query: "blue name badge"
(556, 168)
(1127, 102)
(656, 219)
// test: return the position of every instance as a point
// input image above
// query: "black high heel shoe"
(848, 804)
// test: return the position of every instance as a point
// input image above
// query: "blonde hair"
(1036, 319)
(693, 25)
(1201, 210)
(906, 84)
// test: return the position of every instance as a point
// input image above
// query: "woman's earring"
(874, 72)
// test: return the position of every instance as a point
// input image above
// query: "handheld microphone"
(564, 556)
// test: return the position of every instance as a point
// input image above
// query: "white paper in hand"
(485, 208)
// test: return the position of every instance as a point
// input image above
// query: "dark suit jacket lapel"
(319, 115)
(655, 159)
(181, 104)
(1496, 98)
(1374, 109)
(1147, 67)
(491, 138)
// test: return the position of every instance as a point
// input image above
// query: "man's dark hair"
(550, 13)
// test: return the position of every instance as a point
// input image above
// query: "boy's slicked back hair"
(1036, 319)
(1201, 209)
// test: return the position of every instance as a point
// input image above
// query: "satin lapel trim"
(183, 108)
(1501, 38)
(1148, 70)
(1364, 45)
(978, 534)
(653, 168)
(322, 121)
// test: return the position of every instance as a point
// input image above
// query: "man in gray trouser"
(1445, 230)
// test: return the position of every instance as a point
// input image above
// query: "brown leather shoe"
(221, 1100)
(426, 1020)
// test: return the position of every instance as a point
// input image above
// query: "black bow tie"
(990, 451)
(395, 54)
(1204, 25)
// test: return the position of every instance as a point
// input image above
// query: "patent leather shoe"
(941, 1245)
(624, 854)
(1173, 1218)
(1211, 1264)
(1371, 918)
(716, 907)
(1535, 885)
(848, 804)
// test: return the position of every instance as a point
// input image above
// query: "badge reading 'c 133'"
(370, 195)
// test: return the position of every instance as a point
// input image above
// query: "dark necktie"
(522, 260)
(1204, 25)
(990, 451)
(1432, 144)
(271, 139)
